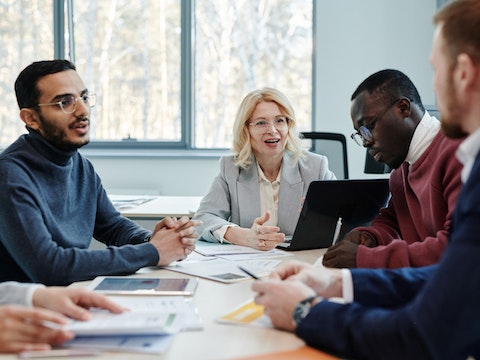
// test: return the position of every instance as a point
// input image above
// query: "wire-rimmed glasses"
(280, 123)
(68, 103)
(364, 133)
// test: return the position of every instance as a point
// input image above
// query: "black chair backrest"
(333, 146)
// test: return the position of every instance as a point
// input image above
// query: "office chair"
(333, 146)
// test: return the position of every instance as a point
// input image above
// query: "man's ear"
(405, 106)
(466, 72)
(30, 118)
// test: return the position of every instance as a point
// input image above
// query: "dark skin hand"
(344, 253)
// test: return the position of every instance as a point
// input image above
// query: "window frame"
(187, 96)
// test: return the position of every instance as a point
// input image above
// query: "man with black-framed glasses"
(430, 312)
(52, 202)
(392, 123)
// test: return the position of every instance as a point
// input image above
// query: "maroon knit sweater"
(413, 229)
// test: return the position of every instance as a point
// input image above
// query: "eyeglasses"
(364, 133)
(68, 103)
(279, 123)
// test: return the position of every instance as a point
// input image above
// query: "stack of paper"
(129, 323)
(148, 326)
(223, 270)
(221, 262)
(236, 252)
(128, 201)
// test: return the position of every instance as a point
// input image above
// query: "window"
(244, 45)
(26, 34)
(170, 73)
(128, 52)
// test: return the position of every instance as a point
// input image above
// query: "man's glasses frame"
(364, 133)
(68, 103)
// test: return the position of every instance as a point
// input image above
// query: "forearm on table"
(236, 235)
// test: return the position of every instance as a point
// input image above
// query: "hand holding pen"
(338, 228)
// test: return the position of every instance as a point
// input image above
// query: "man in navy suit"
(411, 313)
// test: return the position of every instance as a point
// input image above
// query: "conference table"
(223, 341)
(145, 207)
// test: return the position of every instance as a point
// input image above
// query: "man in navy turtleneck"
(52, 202)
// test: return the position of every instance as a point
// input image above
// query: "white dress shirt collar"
(467, 152)
(426, 130)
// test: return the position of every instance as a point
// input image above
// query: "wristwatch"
(302, 309)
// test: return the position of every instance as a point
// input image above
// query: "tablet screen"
(144, 286)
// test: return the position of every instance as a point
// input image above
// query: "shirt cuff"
(347, 286)
(219, 234)
(29, 295)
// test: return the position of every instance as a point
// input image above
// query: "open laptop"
(354, 202)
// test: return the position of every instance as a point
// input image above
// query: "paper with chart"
(173, 304)
(183, 308)
(145, 315)
(129, 323)
(221, 262)
(223, 270)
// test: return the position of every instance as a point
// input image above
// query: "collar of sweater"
(47, 150)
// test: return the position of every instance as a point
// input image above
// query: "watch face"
(301, 311)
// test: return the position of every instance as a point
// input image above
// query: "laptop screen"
(356, 202)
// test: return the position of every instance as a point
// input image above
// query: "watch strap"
(302, 309)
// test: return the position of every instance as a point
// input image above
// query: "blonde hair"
(242, 147)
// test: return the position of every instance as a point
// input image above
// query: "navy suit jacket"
(412, 313)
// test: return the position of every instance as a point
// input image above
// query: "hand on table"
(325, 282)
(264, 237)
(279, 298)
(344, 253)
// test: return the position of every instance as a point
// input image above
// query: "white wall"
(156, 175)
(356, 39)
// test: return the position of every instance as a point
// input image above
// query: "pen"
(336, 234)
(249, 273)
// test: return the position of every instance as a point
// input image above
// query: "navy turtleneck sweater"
(52, 203)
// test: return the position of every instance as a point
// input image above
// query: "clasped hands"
(174, 239)
(291, 283)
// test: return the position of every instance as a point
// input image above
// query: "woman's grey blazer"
(234, 196)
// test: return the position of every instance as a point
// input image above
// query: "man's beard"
(451, 118)
(57, 137)
(453, 131)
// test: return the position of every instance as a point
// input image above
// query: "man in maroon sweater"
(412, 230)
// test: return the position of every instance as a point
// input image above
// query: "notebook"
(353, 202)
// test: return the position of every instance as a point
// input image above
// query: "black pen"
(249, 273)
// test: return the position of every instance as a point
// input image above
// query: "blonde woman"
(255, 199)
